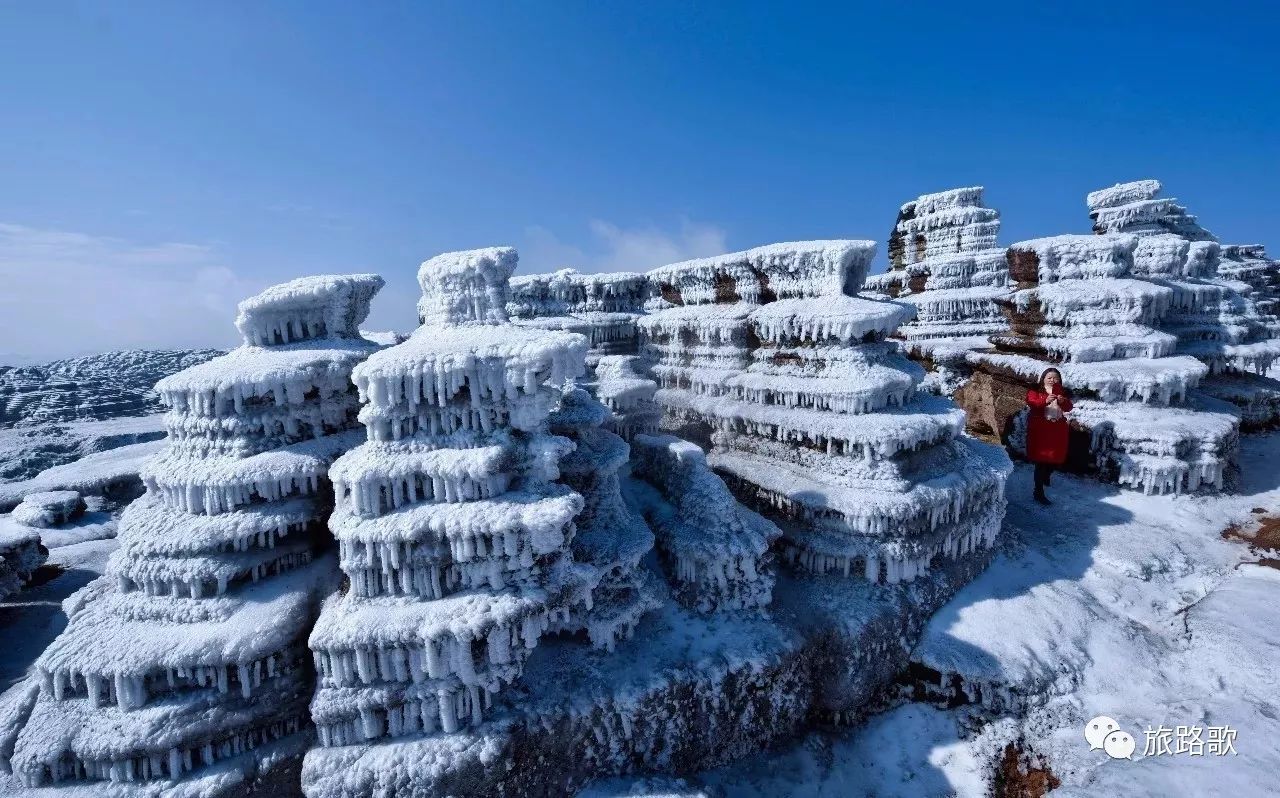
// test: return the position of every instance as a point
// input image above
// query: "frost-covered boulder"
(814, 418)
(49, 508)
(460, 529)
(944, 262)
(187, 661)
(1213, 317)
(20, 555)
(602, 307)
(1080, 308)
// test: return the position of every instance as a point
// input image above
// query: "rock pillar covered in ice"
(602, 307)
(816, 417)
(945, 264)
(610, 536)
(1214, 319)
(453, 532)
(1080, 308)
(188, 660)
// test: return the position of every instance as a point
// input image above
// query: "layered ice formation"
(1212, 317)
(814, 418)
(602, 307)
(1080, 307)
(609, 535)
(945, 263)
(185, 667)
(623, 384)
(1249, 264)
(481, 514)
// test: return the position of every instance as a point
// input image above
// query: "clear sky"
(160, 162)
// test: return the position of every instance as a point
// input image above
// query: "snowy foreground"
(1109, 603)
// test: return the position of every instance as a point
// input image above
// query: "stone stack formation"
(603, 307)
(945, 263)
(623, 385)
(1248, 265)
(1212, 319)
(1080, 309)
(609, 535)
(454, 534)
(815, 418)
(187, 661)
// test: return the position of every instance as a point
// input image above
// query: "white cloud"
(613, 248)
(64, 293)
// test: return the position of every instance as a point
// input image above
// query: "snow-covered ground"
(1108, 603)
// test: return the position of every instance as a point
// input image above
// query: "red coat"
(1046, 439)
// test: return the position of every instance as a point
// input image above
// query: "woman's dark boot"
(1040, 497)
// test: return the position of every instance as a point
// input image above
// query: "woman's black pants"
(1043, 470)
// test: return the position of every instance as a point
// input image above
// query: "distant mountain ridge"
(93, 387)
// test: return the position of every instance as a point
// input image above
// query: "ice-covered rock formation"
(602, 307)
(944, 263)
(815, 418)
(456, 537)
(1212, 318)
(1080, 308)
(185, 667)
(716, 551)
(20, 555)
(1249, 264)
(609, 535)
(622, 383)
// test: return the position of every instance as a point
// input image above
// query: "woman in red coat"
(1047, 428)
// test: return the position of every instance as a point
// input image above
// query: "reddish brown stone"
(1024, 267)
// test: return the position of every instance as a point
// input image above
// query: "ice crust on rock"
(609, 535)
(1089, 306)
(945, 264)
(601, 307)
(815, 419)
(1221, 315)
(715, 551)
(49, 508)
(323, 306)
(188, 657)
(20, 555)
(103, 386)
(623, 384)
(482, 513)
(763, 274)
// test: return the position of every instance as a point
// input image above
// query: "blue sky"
(163, 160)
